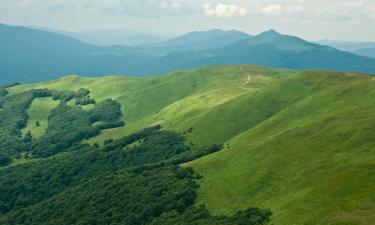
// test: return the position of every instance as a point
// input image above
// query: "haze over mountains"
(30, 55)
(359, 48)
(125, 37)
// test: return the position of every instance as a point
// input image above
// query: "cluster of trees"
(201, 216)
(4, 159)
(66, 96)
(132, 181)
(67, 125)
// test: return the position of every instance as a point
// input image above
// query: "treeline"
(128, 181)
(67, 125)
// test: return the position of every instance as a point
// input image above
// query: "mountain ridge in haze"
(359, 48)
(31, 55)
(201, 40)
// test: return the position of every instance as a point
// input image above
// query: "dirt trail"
(248, 75)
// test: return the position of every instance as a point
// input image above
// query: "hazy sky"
(311, 19)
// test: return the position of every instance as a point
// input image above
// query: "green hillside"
(312, 162)
(175, 100)
(299, 143)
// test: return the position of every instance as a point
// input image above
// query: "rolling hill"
(297, 142)
(30, 55)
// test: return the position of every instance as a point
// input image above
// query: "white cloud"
(224, 10)
(277, 9)
(346, 10)
(292, 9)
(145, 8)
(273, 9)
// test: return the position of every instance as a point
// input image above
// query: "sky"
(351, 20)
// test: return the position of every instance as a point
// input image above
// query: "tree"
(4, 159)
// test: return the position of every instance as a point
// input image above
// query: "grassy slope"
(300, 144)
(312, 162)
(175, 100)
(39, 111)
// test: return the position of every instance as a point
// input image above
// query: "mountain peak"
(270, 33)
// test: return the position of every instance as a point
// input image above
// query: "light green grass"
(39, 112)
(312, 162)
(299, 143)
(170, 99)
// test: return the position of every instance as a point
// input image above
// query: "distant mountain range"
(126, 37)
(359, 48)
(115, 37)
(198, 40)
(30, 55)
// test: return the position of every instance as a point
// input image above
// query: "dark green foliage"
(122, 198)
(3, 91)
(201, 216)
(85, 101)
(66, 96)
(190, 156)
(109, 125)
(157, 146)
(105, 111)
(82, 92)
(57, 174)
(4, 159)
(108, 141)
(83, 98)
